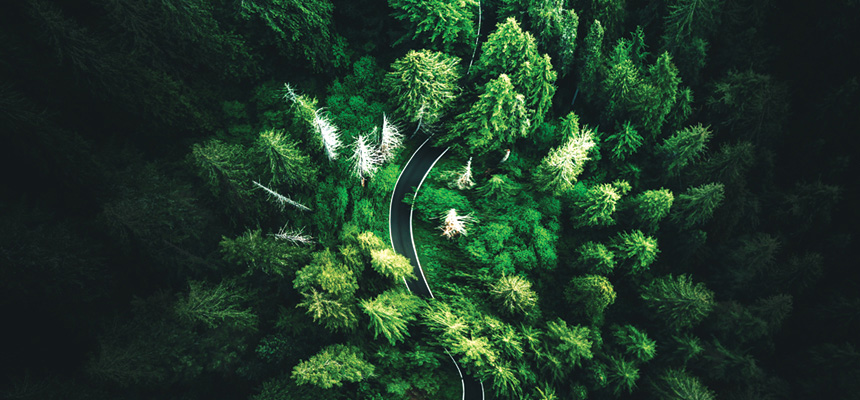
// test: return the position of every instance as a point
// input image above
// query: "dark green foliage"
(625, 141)
(570, 345)
(635, 343)
(651, 206)
(497, 119)
(286, 163)
(622, 375)
(697, 204)
(216, 305)
(333, 366)
(684, 147)
(295, 27)
(555, 29)
(597, 206)
(752, 103)
(262, 253)
(678, 385)
(677, 301)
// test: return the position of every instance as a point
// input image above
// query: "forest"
(639, 199)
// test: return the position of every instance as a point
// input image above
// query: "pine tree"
(678, 385)
(678, 301)
(475, 351)
(651, 206)
(558, 171)
(684, 147)
(391, 265)
(753, 104)
(333, 312)
(423, 85)
(590, 294)
(625, 141)
(260, 253)
(390, 313)
(596, 206)
(555, 29)
(572, 344)
(286, 163)
(333, 366)
(593, 65)
(514, 295)
(622, 375)
(448, 25)
(365, 159)
(390, 140)
(635, 343)
(697, 204)
(498, 187)
(325, 272)
(729, 165)
(638, 249)
(216, 305)
(596, 259)
(497, 119)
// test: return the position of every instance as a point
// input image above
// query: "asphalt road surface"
(400, 227)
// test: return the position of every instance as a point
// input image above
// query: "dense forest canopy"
(641, 199)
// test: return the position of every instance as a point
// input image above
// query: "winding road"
(400, 228)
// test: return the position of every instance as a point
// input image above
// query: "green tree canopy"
(514, 294)
(390, 313)
(423, 85)
(497, 119)
(678, 301)
(333, 366)
(447, 24)
(590, 295)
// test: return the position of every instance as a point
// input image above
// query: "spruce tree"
(423, 85)
(677, 301)
(684, 147)
(590, 294)
(639, 250)
(558, 171)
(497, 119)
(444, 24)
(651, 206)
(596, 207)
(697, 204)
(332, 366)
(514, 295)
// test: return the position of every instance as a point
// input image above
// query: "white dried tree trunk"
(281, 200)
(456, 224)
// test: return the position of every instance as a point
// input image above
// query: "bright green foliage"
(756, 105)
(497, 119)
(333, 312)
(332, 366)
(635, 343)
(622, 375)
(677, 301)
(216, 305)
(299, 27)
(513, 52)
(593, 66)
(625, 141)
(590, 295)
(390, 313)
(697, 204)
(515, 294)
(572, 344)
(555, 29)
(651, 206)
(286, 163)
(440, 319)
(325, 272)
(639, 250)
(474, 351)
(558, 171)
(663, 76)
(423, 85)
(369, 242)
(391, 265)
(433, 202)
(260, 253)
(596, 259)
(678, 385)
(596, 206)
(498, 187)
(684, 147)
(446, 24)
(505, 381)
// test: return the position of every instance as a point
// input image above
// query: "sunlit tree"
(333, 366)
(423, 85)
(559, 170)
(677, 301)
(515, 294)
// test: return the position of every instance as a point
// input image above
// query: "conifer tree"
(463, 179)
(622, 375)
(514, 294)
(325, 272)
(638, 249)
(332, 366)
(261, 253)
(635, 343)
(590, 294)
(558, 171)
(572, 344)
(678, 301)
(651, 206)
(423, 85)
(690, 18)
(333, 312)
(596, 206)
(684, 147)
(697, 204)
(596, 259)
(555, 29)
(679, 385)
(216, 305)
(390, 140)
(593, 66)
(446, 24)
(365, 159)
(498, 187)
(729, 165)
(390, 264)
(390, 313)
(497, 119)
(625, 141)
(286, 163)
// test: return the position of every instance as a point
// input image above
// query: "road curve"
(400, 229)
